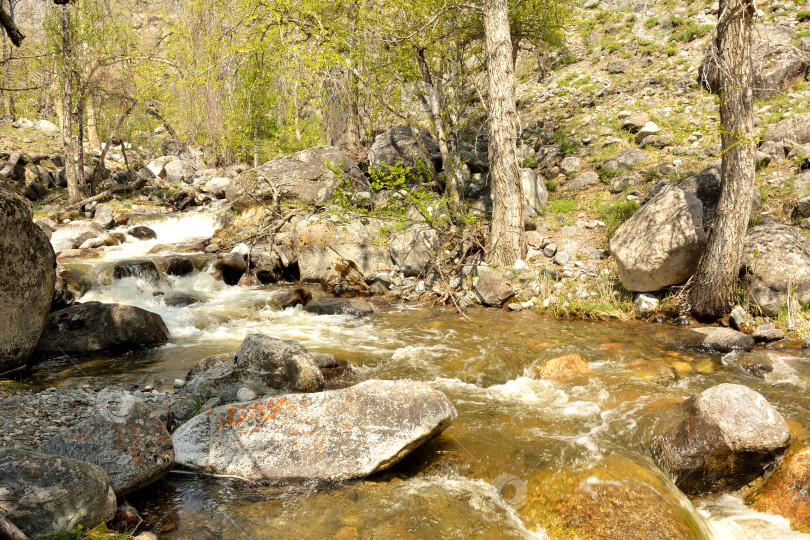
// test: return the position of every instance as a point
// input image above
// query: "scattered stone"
(493, 289)
(635, 122)
(181, 299)
(618, 184)
(288, 299)
(124, 439)
(624, 160)
(550, 250)
(570, 165)
(617, 66)
(334, 435)
(662, 243)
(767, 333)
(104, 216)
(180, 171)
(43, 493)
(560, 369)
(645, 305)
(583, 179)
(95, 327)
(339, 306)
(730, 435)
(561, 258)
(650, 128)
(535, 192)
(27, 278)
(229, 267)
(330, 366)
(245, 394)
(738, 317)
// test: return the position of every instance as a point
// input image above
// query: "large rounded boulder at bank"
(124, 438)
(729, 435)
(662, 243)
(333, 435)
(27, 277)
(414, 248)
(95, 327)
(43, 494)
(312, 175)
(776, 262)
(320, 243)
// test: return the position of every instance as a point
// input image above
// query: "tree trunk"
(507, 239)
(80, 139)
(92, 127)
(713, 292)
(435, 101)
(74, 193)
(255, 144)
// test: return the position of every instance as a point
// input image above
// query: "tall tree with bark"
(713, 290)
(74, 189)
(507, 239)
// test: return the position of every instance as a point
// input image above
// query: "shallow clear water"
(542, 432)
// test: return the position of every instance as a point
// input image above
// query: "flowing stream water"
(543, 433)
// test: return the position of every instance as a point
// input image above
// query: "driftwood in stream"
(132, 186)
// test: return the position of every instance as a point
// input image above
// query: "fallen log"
(132, 186)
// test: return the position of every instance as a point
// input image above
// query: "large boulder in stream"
(124, 438)
(728, 436)
(27, 276)
(262, 364)
(329, 436)
(137, 269)
(319, 244)
(776, 262)
(340, 306)
(95, 327)
(662, 243)
(613, 497)
(312, 175)
(43, 493)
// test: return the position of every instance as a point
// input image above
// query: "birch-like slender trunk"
(713, 291)
(507, 239)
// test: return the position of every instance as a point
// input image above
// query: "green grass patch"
(803, 16)
(562, 206)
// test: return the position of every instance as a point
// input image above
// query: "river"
(542, 433)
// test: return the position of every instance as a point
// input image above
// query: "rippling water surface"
(543, 433)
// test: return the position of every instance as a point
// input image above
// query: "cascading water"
(539, 432)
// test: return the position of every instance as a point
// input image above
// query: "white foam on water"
(170, 229)
(731, 519)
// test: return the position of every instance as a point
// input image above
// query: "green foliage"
(803, 16)
(529, 163)
(562, 206)
(606, 175)
(615, 215)
(567, 143)
(551, 185)
(652, 21)
(690, 31)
